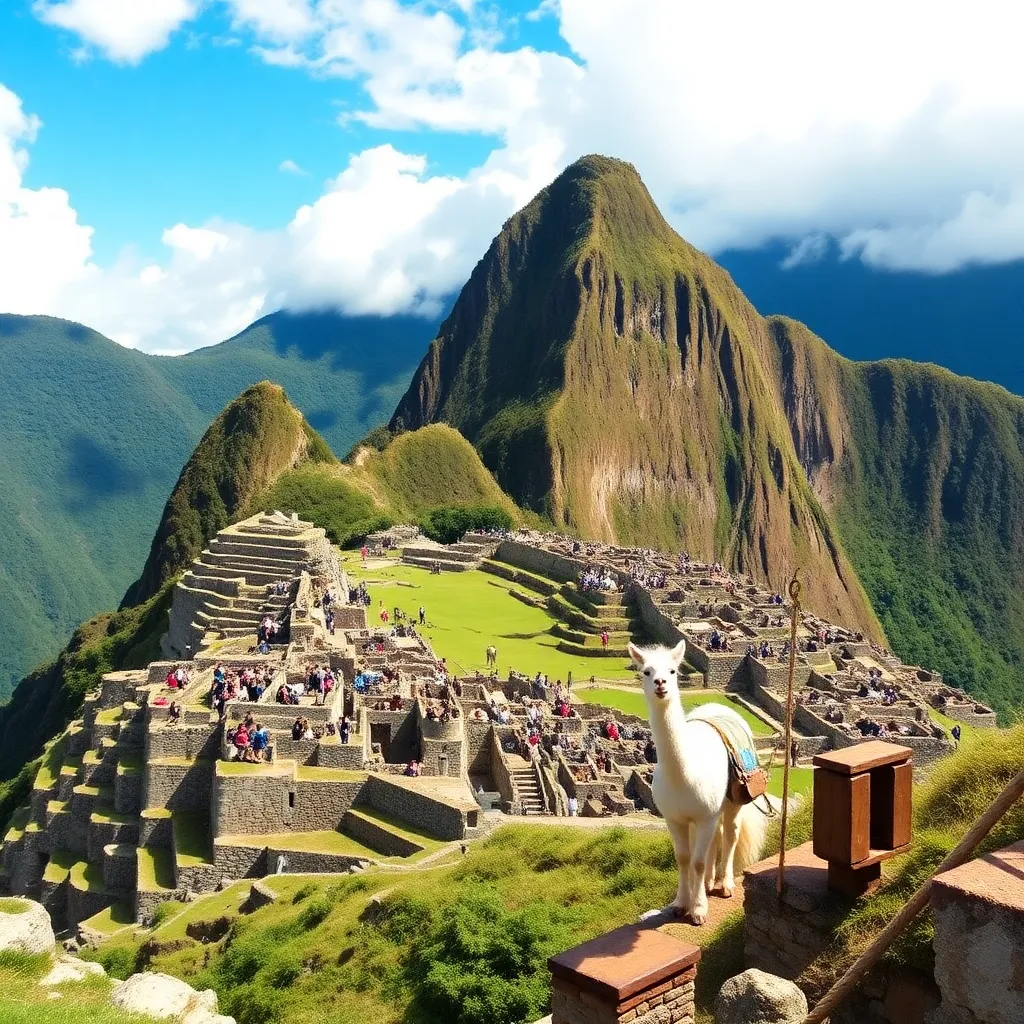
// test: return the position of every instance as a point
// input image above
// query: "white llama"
(691, 783)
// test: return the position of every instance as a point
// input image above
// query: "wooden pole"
(885, 938)
(794, 596)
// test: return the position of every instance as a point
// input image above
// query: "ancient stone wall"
(187, 741)
(320, 806)
(340, 755)
(233, 861)
(388, 843)
(155, 830)
(178, 787)
(478, 747)
(119, 867)
(978, 913)
(423, 811)
(657, 625)
(83, 903)
(539, 561)
(248, 804)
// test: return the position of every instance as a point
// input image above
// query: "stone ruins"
(143, 800)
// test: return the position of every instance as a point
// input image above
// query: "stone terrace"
(129, 806)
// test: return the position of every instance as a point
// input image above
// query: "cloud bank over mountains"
(894, 128)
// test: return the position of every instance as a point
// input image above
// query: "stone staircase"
(468, 553)
(530, 796)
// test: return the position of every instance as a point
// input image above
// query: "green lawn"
(156, 869)
(636, 704)
(111, 919)
(192, 838)
(307, 842)
(801, 781)
(469, 611)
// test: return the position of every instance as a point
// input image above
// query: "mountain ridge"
(645, 400)
(620, 287)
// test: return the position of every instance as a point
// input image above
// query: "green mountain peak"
(257, 437)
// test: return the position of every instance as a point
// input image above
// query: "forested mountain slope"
(94, 436)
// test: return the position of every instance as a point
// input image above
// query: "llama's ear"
(636, 654)
(678, 652)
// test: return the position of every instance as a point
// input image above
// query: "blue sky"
(142, 143)
(199, 129)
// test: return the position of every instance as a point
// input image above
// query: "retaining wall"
(427, 813)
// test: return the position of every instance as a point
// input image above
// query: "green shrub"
(448, 523)
(254, 1004)
(163, 912)
(345, 512)
(303, 892)
(118, 961)
(314, 912)
(283, 969)
(483, 964)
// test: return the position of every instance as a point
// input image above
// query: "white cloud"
(277, 20)
(386, 236)
(125, 31)
(43, 248)
(291, 167)
(545, 9)
(894, 127)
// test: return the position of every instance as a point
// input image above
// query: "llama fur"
(713, 838)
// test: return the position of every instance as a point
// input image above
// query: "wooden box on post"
(862, 812)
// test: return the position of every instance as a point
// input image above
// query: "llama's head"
(659, 671)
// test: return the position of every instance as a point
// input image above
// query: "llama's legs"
(702, 843)
(714, 852)
(680, 833)
(725, 882)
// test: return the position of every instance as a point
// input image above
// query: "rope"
(794, 596)
(845, 985)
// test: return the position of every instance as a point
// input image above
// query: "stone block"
(978, 912)
(631, 975)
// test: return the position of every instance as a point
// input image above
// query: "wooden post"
(794, 596)
(961, 853)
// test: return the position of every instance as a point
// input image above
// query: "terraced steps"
(385, 835)
(616, 639)
(445, 564)
(573, 614)
(531, 581)
(530, 795)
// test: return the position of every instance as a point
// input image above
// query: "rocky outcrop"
(755, 997)
(161, 996)
(25, 926)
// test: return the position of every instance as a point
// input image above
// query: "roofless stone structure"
(140, 803)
